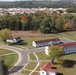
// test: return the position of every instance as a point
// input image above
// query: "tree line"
(44, 22)
(37, 4)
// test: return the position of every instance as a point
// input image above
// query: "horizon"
(25, 0)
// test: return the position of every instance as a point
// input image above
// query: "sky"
(10, 0)
(21, 0)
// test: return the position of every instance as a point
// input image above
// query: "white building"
(46, 42)
(14, 40)
(46, 69)
(67, 48)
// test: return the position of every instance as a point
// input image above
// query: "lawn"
(32, 56)
(28, 67)
(10, 60)
(41, 55)
(35, 73)
(25, 72)
(31, 65)
(4, 51)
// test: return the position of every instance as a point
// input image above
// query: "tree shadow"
(5, 69)
(59, 73)
(15, 69)
(68, 63)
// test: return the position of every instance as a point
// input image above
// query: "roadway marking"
(36, 65)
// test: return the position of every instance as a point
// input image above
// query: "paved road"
(65, 40)
(23, 56)
(22, 60)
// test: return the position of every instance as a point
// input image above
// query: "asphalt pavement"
(23, 56)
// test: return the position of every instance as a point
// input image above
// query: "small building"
(14, 40)
(67, 48)
(46, 69)
(46, 42)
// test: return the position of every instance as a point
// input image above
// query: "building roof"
(47, 67)
(15, 38)
(48, 40)
(67, 44)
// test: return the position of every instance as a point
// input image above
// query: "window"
(42, 72)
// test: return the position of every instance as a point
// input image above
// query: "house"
(14, 40)
(67, 48)
(46, 42)
(46, 69)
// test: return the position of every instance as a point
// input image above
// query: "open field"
(10, 59)
(74, 14)
(29, 36)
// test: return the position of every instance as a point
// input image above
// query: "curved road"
(23, 58)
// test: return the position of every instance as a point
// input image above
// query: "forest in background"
(44, 22)
(37, 4)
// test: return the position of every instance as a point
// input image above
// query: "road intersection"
(23, 56)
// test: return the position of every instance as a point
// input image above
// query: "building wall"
(42, 72)
(51, 73)
(46, 50)
(45, 43)
(33, 44)
(67, 50)
(70, 49)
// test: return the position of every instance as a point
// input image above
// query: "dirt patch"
(28, 34)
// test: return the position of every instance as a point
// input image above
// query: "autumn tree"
(23, 18)
(5, 34)
(55, 52)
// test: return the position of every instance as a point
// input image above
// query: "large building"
(67, 48)
(46, 69)
(46, 42)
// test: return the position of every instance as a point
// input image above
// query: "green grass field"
(41, 55)
(10, 60)
(32, 56)
(31, 66)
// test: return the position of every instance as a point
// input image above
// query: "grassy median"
(9, 59)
